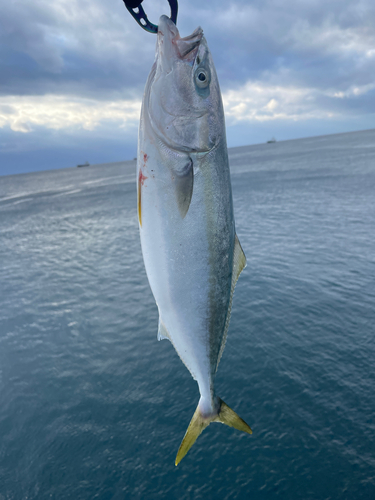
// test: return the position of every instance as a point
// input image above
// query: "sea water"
(93, 406)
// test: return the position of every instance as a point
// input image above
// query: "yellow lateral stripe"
(139, 202)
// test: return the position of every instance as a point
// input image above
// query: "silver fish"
(190, 249)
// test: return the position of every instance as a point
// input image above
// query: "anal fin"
(162, 331)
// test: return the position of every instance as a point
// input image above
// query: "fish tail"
(199, 422)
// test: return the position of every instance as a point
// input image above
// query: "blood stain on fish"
(141, 178)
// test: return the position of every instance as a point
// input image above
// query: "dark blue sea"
(92, 406)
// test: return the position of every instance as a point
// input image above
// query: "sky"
(72, 73)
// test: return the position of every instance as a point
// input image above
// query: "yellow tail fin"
(198, 423)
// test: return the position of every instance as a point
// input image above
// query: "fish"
(191, 252)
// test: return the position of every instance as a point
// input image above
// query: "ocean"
(92, 406)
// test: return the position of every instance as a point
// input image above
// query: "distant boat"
(87, 164)
(271, 141)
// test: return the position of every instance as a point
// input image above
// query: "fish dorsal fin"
(239, 263)
(162, 331)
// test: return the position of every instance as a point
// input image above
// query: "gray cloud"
(83, 47)
(74, 47)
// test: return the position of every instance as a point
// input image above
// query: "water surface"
(92, 406)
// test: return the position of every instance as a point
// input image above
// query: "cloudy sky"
(72, 73)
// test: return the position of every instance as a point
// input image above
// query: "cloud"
(81, 65)
(94, 48)
(354, 91)
(24, 114)
(259, 101)
(256, 101)
(74, 47)
(315, 43)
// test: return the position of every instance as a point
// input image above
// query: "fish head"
(184, 100)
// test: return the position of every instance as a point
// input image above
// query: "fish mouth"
(187, 47)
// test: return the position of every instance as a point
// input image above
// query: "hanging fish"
(190, 248)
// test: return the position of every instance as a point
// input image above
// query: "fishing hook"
(136, 10)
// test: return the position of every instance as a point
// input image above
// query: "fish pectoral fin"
(162, 331)
(183, 180)
(181, 168)
(198, 423)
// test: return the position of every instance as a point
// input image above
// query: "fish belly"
(188, 260)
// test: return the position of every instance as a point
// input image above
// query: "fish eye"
(202, 78)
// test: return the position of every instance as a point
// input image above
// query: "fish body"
(191, 252)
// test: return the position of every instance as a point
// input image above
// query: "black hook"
(136, 10)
